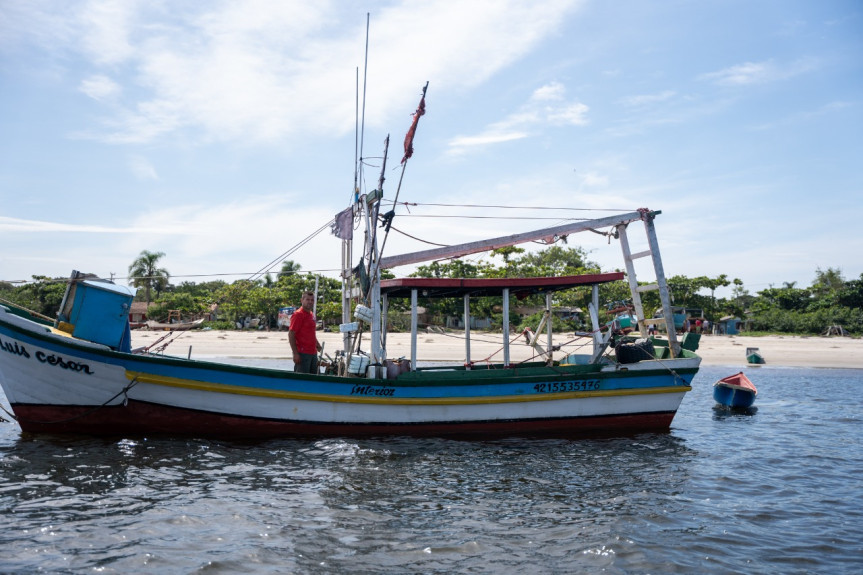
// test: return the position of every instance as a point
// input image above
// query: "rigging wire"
(492, 217)
(483, 206)
(268, 267)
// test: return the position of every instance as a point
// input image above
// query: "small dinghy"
(754, 357)
(735, 391)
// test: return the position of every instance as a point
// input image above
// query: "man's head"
(308, 300)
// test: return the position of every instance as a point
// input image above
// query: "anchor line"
(123, 392)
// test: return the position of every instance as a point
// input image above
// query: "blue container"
(98, 311)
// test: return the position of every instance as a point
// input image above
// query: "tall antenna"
(363, 122)
(354, 192)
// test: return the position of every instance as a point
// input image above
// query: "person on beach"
(301, 335)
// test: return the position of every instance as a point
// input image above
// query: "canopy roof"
(519, 287)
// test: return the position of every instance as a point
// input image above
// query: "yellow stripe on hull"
(260, 392)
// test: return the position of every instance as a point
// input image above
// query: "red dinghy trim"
(738, 381)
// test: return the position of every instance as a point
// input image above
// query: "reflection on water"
(723, 411)
(773, 490)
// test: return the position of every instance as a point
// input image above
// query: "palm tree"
(289, 268)
(145, 273)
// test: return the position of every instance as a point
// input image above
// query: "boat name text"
(13, 348)
(373, 390)
(60, 362)
(561, 386)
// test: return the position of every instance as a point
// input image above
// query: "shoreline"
(715, 350)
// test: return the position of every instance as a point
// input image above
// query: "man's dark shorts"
(308, 363)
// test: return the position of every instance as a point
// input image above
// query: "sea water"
(777, 489)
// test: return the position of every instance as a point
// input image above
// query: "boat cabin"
(465, 288)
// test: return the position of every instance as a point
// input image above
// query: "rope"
(123, 391)
(512, 340)
(175, 334)
(418, 239)
(30, 311)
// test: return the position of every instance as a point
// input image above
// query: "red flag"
(409, 137)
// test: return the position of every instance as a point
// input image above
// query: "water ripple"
(774, 489)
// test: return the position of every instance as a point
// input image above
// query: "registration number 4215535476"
(563, 386)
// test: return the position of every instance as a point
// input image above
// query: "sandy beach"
(779, 351)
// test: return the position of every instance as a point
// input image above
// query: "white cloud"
(238, 236)
(263, 71)
(27, 24)
(758, 72)
(649, 99)
(551, 91)
(99, 87)
(741, 74)
(105, 29)
(574, 114)
(40, 226)
(545, 107)
(263, 221)
(142, 168)
(594, 180)
(485, 139)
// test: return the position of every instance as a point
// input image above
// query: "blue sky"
(222, 133)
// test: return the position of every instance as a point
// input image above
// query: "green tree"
(289, 268)
(826, 288)
(506, 253)
(555, 261)
(851, 294)
(713, 283)
(452, 269)
(264, 301)
(145, 272)
(682, 288)
(232, 299)
(43, 295)
(787, 298)
(189, 306)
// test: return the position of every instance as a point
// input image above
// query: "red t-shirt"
(303, 324)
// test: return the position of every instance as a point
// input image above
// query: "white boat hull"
(55, 383)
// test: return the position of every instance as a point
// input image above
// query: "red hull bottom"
(140, 418)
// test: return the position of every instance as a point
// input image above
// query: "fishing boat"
(78, 374)
(735, 391)
(754, 357)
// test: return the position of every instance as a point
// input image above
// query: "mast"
(372, 207)
(351, 213)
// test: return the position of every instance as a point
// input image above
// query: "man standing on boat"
(301, 335)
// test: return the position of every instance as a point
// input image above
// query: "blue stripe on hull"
(733, 397)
